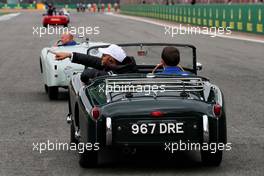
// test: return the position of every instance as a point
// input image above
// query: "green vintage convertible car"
(145, 109)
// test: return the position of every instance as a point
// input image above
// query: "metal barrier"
(33, 6)
(239, 17)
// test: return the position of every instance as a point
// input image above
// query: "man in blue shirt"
(67, 40)
(170, 59)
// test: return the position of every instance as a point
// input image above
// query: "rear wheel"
(211, 159)
(46, 88)
(65, 25)
(53, 92)
(45, 25)
(73, 138)
(88, 159)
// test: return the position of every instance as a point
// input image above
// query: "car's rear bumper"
(118, 132)
(56, 21)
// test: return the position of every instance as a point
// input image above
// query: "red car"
(55, 20)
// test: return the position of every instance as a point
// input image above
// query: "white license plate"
(157, 128)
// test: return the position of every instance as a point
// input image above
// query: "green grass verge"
(3, 13)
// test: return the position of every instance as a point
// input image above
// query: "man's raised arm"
(84, 59)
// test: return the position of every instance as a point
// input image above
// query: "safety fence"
(238, 17)
(17, 6)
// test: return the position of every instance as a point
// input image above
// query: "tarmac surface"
(28, 116)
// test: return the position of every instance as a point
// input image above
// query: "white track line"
(8, 16)
(164, 24)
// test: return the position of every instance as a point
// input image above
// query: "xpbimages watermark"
(173, 31)
(81, 31)
(190, 146)
(146, 89)
(62, 146)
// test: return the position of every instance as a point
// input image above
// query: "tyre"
(211, 159)
(45, 25)
(88, 159)
(46, 88)
(53, 93)
(73, 139)
(65, 25)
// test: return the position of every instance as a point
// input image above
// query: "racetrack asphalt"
(28, 116)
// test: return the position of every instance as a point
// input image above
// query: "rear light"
(157, 114)
(217, 109)
(95, 113)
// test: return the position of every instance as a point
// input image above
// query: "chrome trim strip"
(108, 131)
(205, 129)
